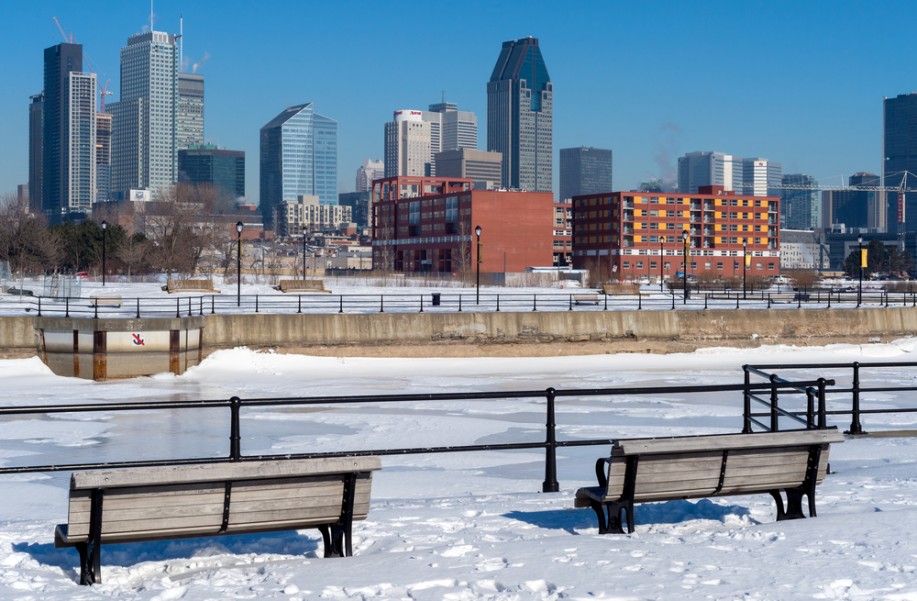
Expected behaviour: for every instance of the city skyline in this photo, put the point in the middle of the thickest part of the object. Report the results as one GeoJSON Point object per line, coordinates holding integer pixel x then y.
{"type": "Point", "coordinates": [629, 78]}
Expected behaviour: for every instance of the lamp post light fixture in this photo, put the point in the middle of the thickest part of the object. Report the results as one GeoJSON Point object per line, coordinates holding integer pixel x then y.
{"type": "Point", "coordinates": [104, 249]}
{"type": "Point", "coordinates": [860, 289]}
{"type": "Point", "coordinates": [687, 241]}
{"type": "Point", "coordinates": [477, 284]}
{"type": "Point", "coordinates": [745, 268]}
{"type": "Point", "coordinates": [304, 231]}
{"type": "Point", "coordinates": [661, 261]}
{"type": "Point", "coordinates": [239, 227]}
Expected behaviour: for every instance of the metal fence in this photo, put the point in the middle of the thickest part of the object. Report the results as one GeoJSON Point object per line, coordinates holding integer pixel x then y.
{"type": "Point", "coordinates": [445, 302]}
{"type": "Point", "coordinates": [236, 406]}
{"type": "Point", "coordinates": [817, 400]}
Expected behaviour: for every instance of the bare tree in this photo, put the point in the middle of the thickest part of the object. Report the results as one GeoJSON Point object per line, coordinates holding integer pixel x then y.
{"type": "Point", "coordinates": [25, 240]}
{"type": "Point", "coordinates": [180, 225]}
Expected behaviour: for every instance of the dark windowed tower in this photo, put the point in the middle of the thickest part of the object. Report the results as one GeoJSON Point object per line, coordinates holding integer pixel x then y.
{"type": "Point", "coordinates": [584, 171]}
{"type": "Point", "coordinates": [520, 115]}
{"type": "Point", "coordinates": [900, 148]}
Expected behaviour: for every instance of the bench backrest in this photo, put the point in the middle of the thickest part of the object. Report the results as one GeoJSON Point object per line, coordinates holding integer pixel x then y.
{"type": "Point", "coordinates": [312, 284]}
{"type": "Point", "coordinates": [191, 500]}
{"type": "Point", "coordinates": [190, 285]}
{"type": "Point", "coordinates": [703, 466]}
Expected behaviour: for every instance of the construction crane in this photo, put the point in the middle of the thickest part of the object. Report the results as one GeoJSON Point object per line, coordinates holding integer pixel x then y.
{"type": "Point", "coordinates": [103, 89]}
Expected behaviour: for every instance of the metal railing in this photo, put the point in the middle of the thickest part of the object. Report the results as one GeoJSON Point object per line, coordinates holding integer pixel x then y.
{"type": "Point", "coordinates": [446, 302]}
{"type": "Point", "coordinates": [236, 405]}
{"type": "Point", "coordinates": [855, 391]}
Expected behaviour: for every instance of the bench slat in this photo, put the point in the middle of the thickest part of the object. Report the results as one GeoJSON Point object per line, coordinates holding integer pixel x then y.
{"type": "Point", "coordinates": [726, 442]}
{"type": "Point", "coordinates": [221, 472]}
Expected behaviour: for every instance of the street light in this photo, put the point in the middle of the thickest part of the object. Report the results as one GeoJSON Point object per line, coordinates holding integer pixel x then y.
{"type": "Point", "coordinates": [860, 289]}
{"type": "Point", "coordinates": [104, 249]}
{"type": "Point", "coordinates": [661, 260]}
{"type": "Point", "coordinates": [304, 230]}
{"type": "Point", "coordinates": [477, 285]}
{"type": "Point", "coordinates": [684, 274]}
{"type": "Point", "coordinates": [744, 267]}
{"type": "Point", "coordinates": [239, 227]}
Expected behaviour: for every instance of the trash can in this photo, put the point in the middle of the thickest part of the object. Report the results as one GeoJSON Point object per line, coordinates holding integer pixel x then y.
{"type": "Point", "coordinates": [435, 296]}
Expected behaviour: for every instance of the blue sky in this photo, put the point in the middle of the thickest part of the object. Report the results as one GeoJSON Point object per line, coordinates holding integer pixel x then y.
{"type": "Point", "coordinates": [797, 82]}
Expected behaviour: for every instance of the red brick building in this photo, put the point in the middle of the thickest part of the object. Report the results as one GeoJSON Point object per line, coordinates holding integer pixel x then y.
{"type": "Point", "coordinates": [627, 235]}
{"type": "Point", "coordinates": [427, 224]}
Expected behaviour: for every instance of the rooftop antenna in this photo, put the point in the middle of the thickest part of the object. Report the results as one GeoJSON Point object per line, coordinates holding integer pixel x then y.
{"type": "Point", "coordinates": [151, 16]}
{"type": "Point", "coordinates": [181, 41]}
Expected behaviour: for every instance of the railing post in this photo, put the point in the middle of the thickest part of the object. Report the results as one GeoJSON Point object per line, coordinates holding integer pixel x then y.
{"type": "Point", "coordinates": [737, 301]}
{"type": "Point", "coordinates": [705, 302]}
{"type": "Point", "coordinates": [190, 306]}
{"type": "Point", "coordinates": [67, 307]}
{"type": "Point", "coordinates": [810, 408]}
{"type": "Point", "coordinates": [460, 303]}
{"type": "Point", "coordinates": [550, 483]}
{"type": "Point", "coordinates": [775, 417]}
{"type": "Point", "coordinates": [822, 405]}
{"type": "Point", "coordinates": [138, 307]}
{"type": "Point", "coordinates": [299, 303]}
{"type": "Point", "coordinates": [421, 303]}
{"type": "Point", "coordinates": [570, 301]}
{"type": "Point", "coordinates": [39, 306]}
{"type": "Point", "coordinates": [673, 300]}
{"type": "Point", "coordinates": [235, 433]}
{"type": "Point", "coordinates": [341, 304]}
{"type": "Point", "coordinates": [498, 303]}
{"type": "Point", "coordinates": [855, 426]}
{"type": "Point", "coordinates": [213, 308]}
{"type": "Point", "coordinates": [768, 301]}
{"type": "Point", "coordinates": [177, 307]}
{"type": "Point", "coordinates": [96, 310]}
{"type": "Point", "coordinates": [534, 302]}
{"type": "Point", "coordinates": [639, 301]}
{"type": "Point", "coordinates": [381, 303]}
{"type": "Point", "coordinates": [746, 402]}
{"type": "Point", "coordinates": [606, 303]}
{"type": "Point", "coordinates": [257, 297]}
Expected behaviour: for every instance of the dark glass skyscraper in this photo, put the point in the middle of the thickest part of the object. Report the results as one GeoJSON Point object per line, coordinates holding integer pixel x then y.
{"type": "Point", "coordinates": [60, 61]}
{"type": "Point", "coordinates": [584, 170]}
{"type": "Point", "coordinates": [900, 148]}
{"type": "Point", "coordinates": [207, 164]}
{"type": "Point", "coordinates": [520, 116]}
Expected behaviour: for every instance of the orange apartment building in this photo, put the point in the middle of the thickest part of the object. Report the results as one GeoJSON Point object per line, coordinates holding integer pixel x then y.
{"type": "Point", "coordinates": [629, 235]}
{"type": "Point", "coordinates": [427, 224]}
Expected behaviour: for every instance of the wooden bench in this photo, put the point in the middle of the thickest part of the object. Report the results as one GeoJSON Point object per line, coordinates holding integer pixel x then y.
{"type": "Point", "coordinates": [312, 285]}
{"type": "Point", "coordinates": [105, 301]}
{"type": "Point", "coordinates": [692, 467]}
{"type": "Point", "coordinates": [210, 499]}
{"type": "Point", "coordinates": [173, 286]}
{"type": "Point", "coordinates": [586, 299]}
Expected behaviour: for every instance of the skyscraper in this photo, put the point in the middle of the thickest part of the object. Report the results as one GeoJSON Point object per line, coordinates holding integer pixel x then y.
{"type": "Point", "coordinates": [35, 155]}
{"type": "Point", "coordinates": [298, 158]}
{"type": "Point", "coordinates": [458, 129]}
{"type": "Point", "coordinates": [899, 145]}
{"type": "Point", "coordinates": [366, 173]}
{"type": "Point", "coordinates": [103, 157]}
{"type": "Point", "coordinates": [851, 208]}
{"type": "Point", "coordinates": [761, 177]}
{"type": "Point", "coordinates": [190, 117]}
{"type": "Point", "coordinates": [207, 164]}
{"type": "Point", "coordinates": [584, 170]}
{"type": "Point", "coordinates": [409, 144]}
{"type": "Point", "coordinates": [520, 115]}
{"type": "Point", "coordinates": [696, 169]}
{"type": "Point", "coordinates": [68, 134]}
{"type": "Point", "coordinates": [800, 208]}
{"type": "Point", "coordinates": [144, 120]}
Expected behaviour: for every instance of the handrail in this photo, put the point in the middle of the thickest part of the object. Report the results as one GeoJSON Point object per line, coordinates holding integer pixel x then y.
{"type": "Point", "coordinates": [855, 390]}
{"type": "Point", "coordinates": [236, 405]}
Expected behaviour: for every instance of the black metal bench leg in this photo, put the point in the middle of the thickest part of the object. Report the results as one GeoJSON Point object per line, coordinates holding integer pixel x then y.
{"type": "Point", "coordinates": [599, 510]}
{"type": "Point", "coordinates": [333, 535]}
{"type": "Point", "coordinates": [615, 523]}
{"type": "Point", "coordinates": [91, 550]}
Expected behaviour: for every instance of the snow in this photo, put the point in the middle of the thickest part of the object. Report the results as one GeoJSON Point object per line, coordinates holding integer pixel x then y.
{"type": "Point", "coordinates": [463, 526]}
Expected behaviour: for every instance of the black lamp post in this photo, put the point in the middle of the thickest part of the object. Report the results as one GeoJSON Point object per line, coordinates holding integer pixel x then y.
{"type": "Point", "coordinates": [239, 227]}
{"type": "Point", "coordinates": [477, 285]}
{"type": "Point", "coordinates": [744, 268]}
{"type": "Point", "coordinates": [304, 230]}
{"type": "Point", "coordinates": [104, 249]}
{"type": "Point", "coordinates": [860, 289]}
{"type": "Point", "coordinates": [661, 261]}
{"type": "Point", "coordinates": [686, 239]}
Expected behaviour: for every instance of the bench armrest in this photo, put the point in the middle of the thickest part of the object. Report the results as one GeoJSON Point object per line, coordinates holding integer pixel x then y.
{"type": "Point", "coordinates": [601, 471]}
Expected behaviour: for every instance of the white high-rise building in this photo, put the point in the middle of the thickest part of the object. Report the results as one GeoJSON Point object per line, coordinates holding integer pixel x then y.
{"type": "Point", "coordinates": [408, 145]}
{"type": "Point", "coordinates": [697, 169]}
{"type": "Point", "coordinates": [81, 158]}
{"type": "Point", "coordinates": [458, 129]}
{"type": "Point", "coordinates": [144, 152]}
{"type": "Point", "coordinates": [760, 177]}
{"type": "Point", "coordinates": [367, 172]}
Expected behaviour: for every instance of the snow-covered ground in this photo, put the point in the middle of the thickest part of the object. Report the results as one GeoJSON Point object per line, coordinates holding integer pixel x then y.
{"type": "Point", "coordinates": [470, 525]}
